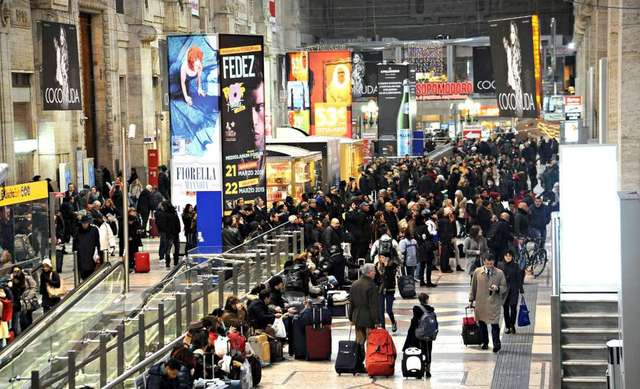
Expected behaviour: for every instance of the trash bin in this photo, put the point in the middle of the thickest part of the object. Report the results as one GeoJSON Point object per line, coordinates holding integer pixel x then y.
{"type": "Point", "coordinates": [614, 369]}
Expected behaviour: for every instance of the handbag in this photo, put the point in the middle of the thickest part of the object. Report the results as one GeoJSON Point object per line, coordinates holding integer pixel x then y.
{"type": "Point", "coordinates": [54, 292]}
{"type": "Point", "coordinates": [279, 329]}
{"type": "Point", "coordinates": [523, 314]}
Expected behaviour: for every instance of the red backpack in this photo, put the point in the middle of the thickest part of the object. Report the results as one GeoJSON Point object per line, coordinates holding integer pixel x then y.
{"type": "Point", "coordinates": [381, 353]}
{"type": "Point", "coordinates": [237, 341]}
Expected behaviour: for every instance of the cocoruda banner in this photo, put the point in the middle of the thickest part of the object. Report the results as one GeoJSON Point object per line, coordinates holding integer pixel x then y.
{"type": "Point", "coordinates": [515, 53]}
{"type": "Point", "coordinates": [443, 90]}
{"type": "Point", "coordinates": [60, 77]}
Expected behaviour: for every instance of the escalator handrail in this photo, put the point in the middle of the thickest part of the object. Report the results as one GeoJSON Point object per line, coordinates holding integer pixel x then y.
{"type": "Point", "coordinates": [77, 294]}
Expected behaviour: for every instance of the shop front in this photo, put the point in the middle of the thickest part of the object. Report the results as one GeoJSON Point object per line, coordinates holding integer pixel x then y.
{"type": "Point", "coordinates": [291, 171]}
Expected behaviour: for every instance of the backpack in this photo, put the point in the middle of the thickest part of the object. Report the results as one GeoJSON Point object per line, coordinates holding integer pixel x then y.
{"type": "Point", "coordinates": [295, 279]}
{"type": "Point", "coordinates": [385, 248]}
{"type": "Point", "coordinates": [427, 329]}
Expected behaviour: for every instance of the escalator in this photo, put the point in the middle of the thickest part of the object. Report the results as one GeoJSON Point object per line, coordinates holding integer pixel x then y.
{"type": "Point", "coordinates": [97, 325]}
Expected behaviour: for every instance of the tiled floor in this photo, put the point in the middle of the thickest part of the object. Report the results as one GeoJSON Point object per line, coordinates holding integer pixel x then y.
{"type": "Point", "coordinates": [454, 365]}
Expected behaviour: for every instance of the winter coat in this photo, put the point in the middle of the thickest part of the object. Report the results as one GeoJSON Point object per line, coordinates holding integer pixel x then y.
{"type": "Point", "coordinates": [107, 238]}
{"type": "Point", "coordinates": [259, 315]}
{"type": "Point", "coordinates": [409, 252]}
{"type": "Point", "coordinates": [488, 304]}
{"type": "Point", "coordinates": [144, 202]}
{"type": "Point", "coordinates": [411, 340]}
{"type": "Point", "coordinates": [386, 276]}
{"type": "Point", "coordinates": [86, 243]}
{"type": "Point", "coordinates": [474, 250]}
{"type": "Point", "coordinates": [364, 303]}
{"type": "Point", "coordinates": [157, 379]}
{"type": "Point", "coordinates": [332, 237]}
{"type": "Point", "coordinates": [230, 238]}
{"type": "Point", "coordinates": [358, 224]}
{"type": "Point", "coordinates": [513, 276]}
{"type": "Point", "coordinates": [540, 217]}
{"type": "Point", "coordinates": [53, 279]}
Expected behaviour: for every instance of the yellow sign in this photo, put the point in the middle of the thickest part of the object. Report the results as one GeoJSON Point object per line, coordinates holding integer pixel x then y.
{"type": "Point", "coordinates": [23, 193]}
{"type": "Point", "coordinates": [240, 49]}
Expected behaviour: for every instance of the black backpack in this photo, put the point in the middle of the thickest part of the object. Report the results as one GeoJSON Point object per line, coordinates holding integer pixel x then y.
{"type": "Point", "coordinates": [385, 248]}
{"type": "Point", "coordinates": [427, 328]}
{"type": "Point", "coordinates": [295, 280]}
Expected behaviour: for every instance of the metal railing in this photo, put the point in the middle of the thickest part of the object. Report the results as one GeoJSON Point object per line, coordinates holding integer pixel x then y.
{"type": "Point", "coordinates": [206, 281]}
{"type": "Point", "coordinates": [556, 319]}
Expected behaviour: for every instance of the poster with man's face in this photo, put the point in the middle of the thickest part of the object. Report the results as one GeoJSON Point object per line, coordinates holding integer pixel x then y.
{"type": "Point", "coordinates": [242, 109]}
{"type": "Point", "coordinates": [515, 54]}
{"type": "Point", "coordinates": [60, 77]}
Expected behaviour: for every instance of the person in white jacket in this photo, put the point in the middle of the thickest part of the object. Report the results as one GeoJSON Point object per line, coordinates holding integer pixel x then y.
{"type": "Point", "coordinates": [107, 238]}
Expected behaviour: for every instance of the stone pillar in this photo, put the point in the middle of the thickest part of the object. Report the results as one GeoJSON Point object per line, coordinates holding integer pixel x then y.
{"type": "Point", "coordinates": [629, 95]}
{"type": "Point", "coordinates": [612, 72]}
{"type": "Point", "coordinates": [600, 20]}
{"type": "Point", "coordinates": [6, 101]}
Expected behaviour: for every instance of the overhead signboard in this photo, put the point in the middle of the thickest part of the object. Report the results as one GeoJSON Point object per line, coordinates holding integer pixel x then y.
{"type": "Point", "coordinates": [573, 107]}
{"type": "Point", "coordinates": [16, 194]}
{"type": "Point", "coordinates": [483, 81]}
{"type": "Point", "coordinates": [443, 90]}
{"type": "Point", "coordinates": [515, 53]}
{"type": "Point", "coordinates": [60, 75]}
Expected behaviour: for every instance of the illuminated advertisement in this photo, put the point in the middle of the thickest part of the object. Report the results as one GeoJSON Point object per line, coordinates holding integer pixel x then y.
{"type": "Point", "coordinates": [243, 119]}
{"type": "Point", "coordinates": [394, 114]}
{"type": "Point", "coordinates": [515, 53]}
{"type": "Point", "coordinates": [193, 71]}
{"type": "Point", "coordinates": [330, 91]}
{"type": "Point", "coordinates": [60, 75]}
{"type": "Point", "coordinates": [298, 105]}
{"type": "Point", "coordinates": [364, 73]}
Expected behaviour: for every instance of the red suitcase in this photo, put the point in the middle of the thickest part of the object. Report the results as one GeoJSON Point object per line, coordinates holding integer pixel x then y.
{"type": "Point", "coordinates": [318, 339]}
{"type": "Point", "coordinates": [381, 354]}
{"type": "Point", "coordinates": [142, 262]}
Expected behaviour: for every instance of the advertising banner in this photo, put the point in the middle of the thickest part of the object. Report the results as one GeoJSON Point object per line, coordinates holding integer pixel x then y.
{"type": "Point", "coordinates": [60, 75]}
{"type": "Point", "coordinates": [195, 119]}
{"type": "Point", "coordinates": [483, 81]}
{"type": "Point", "coordinates": [242, 109]}
{"type": "Point", "coordinates": [330, 82]}
{"type": "Point", "coordinates": [515, 53]}
{"type": "Point", "coordinates": [393, 79]}
{"type": "Point", "coordinates": [298, 104]}
{"type": "Point", "coordinates": [364, 73]}
{"type": "Point", "coordinates": [152, 165]}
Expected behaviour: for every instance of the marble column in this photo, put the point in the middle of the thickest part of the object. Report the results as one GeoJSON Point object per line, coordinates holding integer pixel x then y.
{"type": "Point", "coordinates": [6, 100]}
{"type": "Point", "coordinates": [629, 95]}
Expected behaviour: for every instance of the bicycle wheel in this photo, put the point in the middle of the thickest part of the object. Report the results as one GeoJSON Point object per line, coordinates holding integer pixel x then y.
{"type": "Point", "coordinates": [538, 262]}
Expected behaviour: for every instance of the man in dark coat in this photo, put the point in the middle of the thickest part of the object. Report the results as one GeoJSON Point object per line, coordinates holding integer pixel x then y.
{"type": "Point", "coordinates": [87, 244]}
{"type": "Point", "coordinates": [358, 225]}
{"type": "Point", "coordinates": [365, 305]}
{"type": "Point", "coordinates": [144, 205]}
{"type": "Point", "coordinates": [425, 185]}
{"type": "Point", "coordinates": [258, 314]}
{"type": "Point", "coordinates": [500, 236]}
{"type": "Point", "coordinates": [514, 277]}
{"type": "Point", "coordinates": [164, 375]}
{"type": "Point", "coordinates": [164, 184]}
{"type": "Point", "coordinates": [332, 236]}
{"type": "Point", "coordinates": [171, 228]}
{"type": "Point", "coordinates": [540, 217]}
{"type": "Point", "coordinates": [231, 236]}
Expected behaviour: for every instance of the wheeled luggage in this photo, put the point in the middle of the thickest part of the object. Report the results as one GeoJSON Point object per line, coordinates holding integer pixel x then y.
{"type": "Point", "coordinates": [381, 353]}
{"type": "Point", "coordinates": [275, 351]}
{"type": "Point", "coordinates": [407, 285]}
{"type": "Point", "coordinates": [413, 363]}
{"type": "Point", "coordinates": [260, 346]}
{"type": "Point", "coordinates": [470, 330]}
{"type": "Point", "coordinates": [318, 338]}
{"type": "Point", "coordinates": [348, 360]}
{"type": "Point", "coordinates": [142, 264]}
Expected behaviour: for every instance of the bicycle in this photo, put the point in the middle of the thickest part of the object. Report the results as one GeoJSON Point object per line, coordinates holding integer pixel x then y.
{"type": "Point", "coordinates": [532, 255]}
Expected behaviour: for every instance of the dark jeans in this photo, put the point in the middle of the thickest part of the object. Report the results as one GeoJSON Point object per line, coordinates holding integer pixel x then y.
{"type": "Point", "coordinates": [539, 233]}
{"type": "Point", "coordinates": [59, 258]}
{"type": "Point", "coordinates": [84, 274]}
{"type": "Point", "coordinates": [445, 255]}
{"type": "Point", "coordinates": [411, 271]}
{"type": "Point", "coordinates": [426, 347]}
{"type": "Point", "coordinates": [386, 300]}
{"type": "Point", "coordinates": [175, 242]}
{"type": "Point", "coordinates": [495, 333]}
{"type": "Point", "coordinates": [422, 268]}
{"type": "Point", "coordinates": [163, 245]}
{"type": "Point", "coordinates": [510, 315]}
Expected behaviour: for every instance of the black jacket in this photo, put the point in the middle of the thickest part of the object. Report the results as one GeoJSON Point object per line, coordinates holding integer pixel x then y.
{"type": "Point", "coordinates": [386, 276]}
{"type": "Point", "coordinates": [513, 275]}
{"type": "Point", "coordinates": [86, 243]}
{"type": "Point", "coordinates": [259, 315]}
{"type": "Point", "coordinates": [144, 202]}
{"type": "Point", "coordinates": [500, 237]}
{"type": "Point", "coordinates": [540, 217]}
{"type": "Point", "coordinates": [52, 278]}
{"type": "Point", "coordinates": [521, 223]}
{"type": "Point", "coordinates": [331, 237]}
{"type": "Point", "coordinates": [425, 185]}
{"type": "Point", "coordinates": [358, 224]}
{"type": "Point", "coordinates": [164, 185]}
{"type": "Point", "coordinates": [411, 340]}
{"type": "Point", "coordinates": [230, 238]}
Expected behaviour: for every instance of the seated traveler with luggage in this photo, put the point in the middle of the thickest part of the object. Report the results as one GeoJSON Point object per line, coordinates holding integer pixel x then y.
{"type": "Point", "coordinates": [164, 375]}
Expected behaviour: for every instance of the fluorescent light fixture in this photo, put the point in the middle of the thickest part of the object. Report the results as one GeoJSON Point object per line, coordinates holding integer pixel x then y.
{"type": "Point", "coordinates": [589, 253]}
{"type": "Point", "coordinates": [25, 146]}
{"type": "Point", "coordinates": [571, 45]}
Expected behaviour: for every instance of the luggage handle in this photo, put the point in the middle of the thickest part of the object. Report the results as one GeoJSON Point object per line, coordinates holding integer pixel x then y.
{"type": "Point", "coordinates": [313, 318]}
{"type": "Point", "coordinates": [468, 308]}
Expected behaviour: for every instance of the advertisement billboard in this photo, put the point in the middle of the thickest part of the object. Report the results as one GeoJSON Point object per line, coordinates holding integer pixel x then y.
{"type": "Point", "coordinates": [60, 74]}
{"type": "Point", "coordinates": [393, 82]}
{"type": "Point", "coordinates": [195, 118]}
{"type": "Point", "coordinates": [298, 104]}
{"type": "Point", "coordinates": [330, 83]}
{"type": "Point", "coordinates": [243, 120]}
{"type": "Point", "coordinates": [483, 81]}
{"type": "Point", "coordinates": [364, 73]}
{"type": "Point", "coordinates": [515, 53]}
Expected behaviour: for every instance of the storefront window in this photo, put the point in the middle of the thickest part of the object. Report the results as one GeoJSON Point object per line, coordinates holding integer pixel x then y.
{"type": "Point", "coordinates": [463, 70]}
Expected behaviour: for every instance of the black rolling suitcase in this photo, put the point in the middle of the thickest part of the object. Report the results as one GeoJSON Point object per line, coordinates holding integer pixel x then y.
{"type": "Point", "coordinates": [406, 285]}
{"type": "Point", "coordinates": [348, 360]}
{"type": "Point", "coordinates": [299, 338]}
{"type": "Point", "coordinates": [470, 330]}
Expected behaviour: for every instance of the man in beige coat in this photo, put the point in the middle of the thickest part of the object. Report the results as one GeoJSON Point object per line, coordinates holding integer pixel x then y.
{"type": "Point", "coordinates": [488, 293]}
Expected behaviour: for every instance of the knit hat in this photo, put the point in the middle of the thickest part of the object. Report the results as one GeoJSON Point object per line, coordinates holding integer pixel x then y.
{"type": "Point", "coordinates": [46, 262]}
